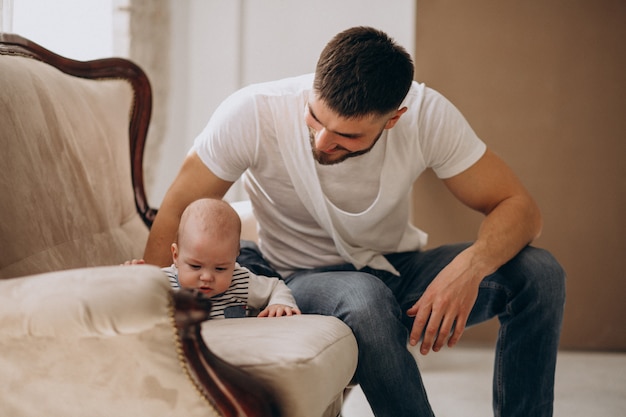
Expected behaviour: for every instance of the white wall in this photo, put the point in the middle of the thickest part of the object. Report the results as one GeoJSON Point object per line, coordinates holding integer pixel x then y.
{"type": "Point", "coordinates": [219, 46]}
{"type": "Point", "coordinates": [77, 29]}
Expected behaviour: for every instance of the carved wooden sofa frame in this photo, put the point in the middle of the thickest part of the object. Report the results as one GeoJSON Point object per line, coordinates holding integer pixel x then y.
{"type": "Point", "coordinates": [38, 273]}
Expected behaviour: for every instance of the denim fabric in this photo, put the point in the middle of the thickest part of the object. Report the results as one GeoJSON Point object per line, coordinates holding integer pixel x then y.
{"type": "Point", "coordinates": [235, 312]}
{"type": "Point", "coordinates": [250, 257]}
{"type": "Point", "coordinates": [527, 295]}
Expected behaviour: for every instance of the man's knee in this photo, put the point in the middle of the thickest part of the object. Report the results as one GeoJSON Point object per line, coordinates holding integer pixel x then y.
{"type": "Point", "coordinates": [355, 297]}
{"type": "Point", "coordinates": [542, 274]}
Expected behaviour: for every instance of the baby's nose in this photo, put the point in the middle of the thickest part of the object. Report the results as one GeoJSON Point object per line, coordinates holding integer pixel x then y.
{"type": "Point", "coordinates": [206, 276]}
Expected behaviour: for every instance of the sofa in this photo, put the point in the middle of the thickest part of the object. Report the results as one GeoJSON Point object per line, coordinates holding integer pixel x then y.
{"type": "Point", "coordinates": [79, 333]}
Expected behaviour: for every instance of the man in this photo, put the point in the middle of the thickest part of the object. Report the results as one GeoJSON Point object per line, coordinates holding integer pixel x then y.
{"type": "Point", "coordinates": [328, 161]}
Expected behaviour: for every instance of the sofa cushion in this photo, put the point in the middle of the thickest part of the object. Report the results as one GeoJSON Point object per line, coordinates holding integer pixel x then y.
{"type": "Point", "coordinates": [67, 197]}
{"type": "Point", "coordinates": [308, 360]}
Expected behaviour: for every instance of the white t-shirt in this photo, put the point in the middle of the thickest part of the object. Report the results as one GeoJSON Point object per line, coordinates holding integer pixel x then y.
{"type": "Point", "coordinates": [312, 215]}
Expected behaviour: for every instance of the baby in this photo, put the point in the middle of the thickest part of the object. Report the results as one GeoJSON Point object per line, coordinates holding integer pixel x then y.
{"type": "Point", "coordinates": [204, 256]}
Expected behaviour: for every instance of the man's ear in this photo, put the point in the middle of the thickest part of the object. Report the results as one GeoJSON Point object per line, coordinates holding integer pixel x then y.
{"type": "Point", "coordinates": [394, 119]}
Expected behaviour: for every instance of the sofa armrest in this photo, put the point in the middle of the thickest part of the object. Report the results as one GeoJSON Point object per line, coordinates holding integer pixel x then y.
{"type": "Point", "coordinates": [102, 341]}
{"type": "Point", "coordinates": [82, 303]}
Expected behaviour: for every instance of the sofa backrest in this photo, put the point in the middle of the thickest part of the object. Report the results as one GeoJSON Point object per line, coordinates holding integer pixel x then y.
{"type": "Point", "coordinates": [66, 182]}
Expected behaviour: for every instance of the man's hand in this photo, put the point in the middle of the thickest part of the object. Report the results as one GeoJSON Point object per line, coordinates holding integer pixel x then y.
{"type": "Point", "coordinates": [442, 312]}
{"type": "Point", "coordinates": [512, 220]}
{"type": "Point", "coordinates": [277, 310]}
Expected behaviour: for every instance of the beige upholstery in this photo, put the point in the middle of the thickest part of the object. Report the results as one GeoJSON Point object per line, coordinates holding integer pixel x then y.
{"type": "Point", "coordinates": [80, 335]}
{"type": "Point", "coordinates": [96, 342]}
{"type": "Point", "coordinates": [100, 342]}
{"type": "Point", "coordinates": [307, 359]}
{"type": "Point", "coordinates": [66, 171]}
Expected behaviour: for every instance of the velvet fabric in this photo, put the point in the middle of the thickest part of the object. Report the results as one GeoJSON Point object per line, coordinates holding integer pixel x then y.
{"type": "Point", "coordinates": [96, 342]}
{"type": "Point", "coordinates": [308, 360]}
{"type": "Point", "coordinates": [67, 199]}
{"type": "Point", "coordinates": [100, 342]}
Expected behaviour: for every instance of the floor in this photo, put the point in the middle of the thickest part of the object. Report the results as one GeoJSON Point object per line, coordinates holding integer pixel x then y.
{"type": "Point", "coordinates": [458, 382]}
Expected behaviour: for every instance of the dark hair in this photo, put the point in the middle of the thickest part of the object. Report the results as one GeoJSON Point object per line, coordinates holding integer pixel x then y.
{"type": "Point", "coordinates": [363, 71]}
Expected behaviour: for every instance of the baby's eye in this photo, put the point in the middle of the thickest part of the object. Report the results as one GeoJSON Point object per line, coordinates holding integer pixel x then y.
{"type": "Point", "coordinates": [221, 269]}
{"type": "Point", "coordinates": [194, 267]}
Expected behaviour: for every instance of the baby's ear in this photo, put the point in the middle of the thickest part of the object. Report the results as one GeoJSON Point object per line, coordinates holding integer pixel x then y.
{"type": "Point", "coordinates": [174, 249]}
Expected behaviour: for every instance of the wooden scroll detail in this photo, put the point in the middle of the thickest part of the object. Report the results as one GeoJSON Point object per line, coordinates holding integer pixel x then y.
{"type": "Point", "coordinates": [232, 391]}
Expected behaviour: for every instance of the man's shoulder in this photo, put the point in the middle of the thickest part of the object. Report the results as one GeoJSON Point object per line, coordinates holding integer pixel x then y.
{"type": "Point", "coordinates": [419, 93]}
{"type": "Point", "coordinates": [282, 87]}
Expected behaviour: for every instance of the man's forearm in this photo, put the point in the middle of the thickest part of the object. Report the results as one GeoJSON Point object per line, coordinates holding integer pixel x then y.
{"type": "Point", "coordinates": [162, 235]}
{"type": "Point", "coordinates": [505, 231]}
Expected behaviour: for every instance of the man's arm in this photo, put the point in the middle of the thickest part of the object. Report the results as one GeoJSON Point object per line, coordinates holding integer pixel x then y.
{"type": "Point", "coordinates": [194, 181]}
{"type": "Point", "coordinates": [512, 221]}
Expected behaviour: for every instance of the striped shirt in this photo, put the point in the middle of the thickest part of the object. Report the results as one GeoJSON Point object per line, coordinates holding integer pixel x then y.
{"type": "Point", "coordinates": [246, 296]}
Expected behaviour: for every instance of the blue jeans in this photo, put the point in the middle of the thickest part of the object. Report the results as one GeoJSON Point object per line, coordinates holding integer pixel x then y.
{"type": "Point", "coordinates": [527, 295]}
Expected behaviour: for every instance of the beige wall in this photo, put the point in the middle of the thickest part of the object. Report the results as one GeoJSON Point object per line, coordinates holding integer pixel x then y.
{"type": "Point", "coordinates": [544, 84]}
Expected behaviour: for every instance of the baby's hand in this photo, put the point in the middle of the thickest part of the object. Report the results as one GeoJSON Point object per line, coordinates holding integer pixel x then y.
{"type": "Point", "coordinates": [134, 262]}
{"type": "Point", "coordinates": [277, 310]}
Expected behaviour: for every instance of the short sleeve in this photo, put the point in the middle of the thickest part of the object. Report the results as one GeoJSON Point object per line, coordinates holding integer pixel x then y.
{"type": "Point", "coordinates": [228, 143]}
{"type": "Point", "coordinates": [448, 142]}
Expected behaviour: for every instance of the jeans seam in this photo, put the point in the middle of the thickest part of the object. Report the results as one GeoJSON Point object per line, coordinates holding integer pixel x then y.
{"type": "Point", "coordinates": [498, 366]}
{"type": "Point", "coordinates": [498, 376]}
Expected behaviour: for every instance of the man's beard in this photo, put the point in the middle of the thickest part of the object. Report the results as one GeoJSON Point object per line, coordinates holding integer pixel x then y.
{"type": "Point", "coordinates": [331, 159]}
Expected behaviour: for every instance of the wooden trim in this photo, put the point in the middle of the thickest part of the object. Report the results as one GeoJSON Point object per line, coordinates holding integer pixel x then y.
{"type": "Point", "coordinates": [231, 391]}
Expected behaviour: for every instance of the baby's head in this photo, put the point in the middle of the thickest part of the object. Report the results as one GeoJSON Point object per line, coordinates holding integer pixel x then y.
{"type": "Point", "coordinates": [207, 246]}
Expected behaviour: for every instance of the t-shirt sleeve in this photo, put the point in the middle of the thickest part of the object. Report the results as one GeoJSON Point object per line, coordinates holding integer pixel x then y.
{"type": "Point", "coordinates": [228, 143]}
{"type": "Point", "coordinates": [449, 144]}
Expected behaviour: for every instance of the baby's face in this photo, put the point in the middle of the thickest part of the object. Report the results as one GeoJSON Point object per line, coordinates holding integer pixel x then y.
{"type": "Point", "coordinates": [204, 263]}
